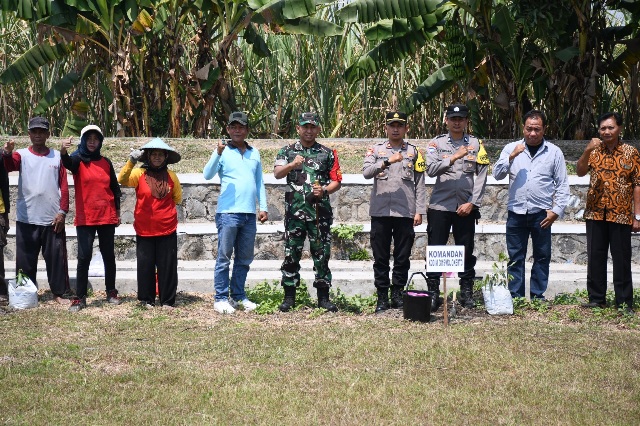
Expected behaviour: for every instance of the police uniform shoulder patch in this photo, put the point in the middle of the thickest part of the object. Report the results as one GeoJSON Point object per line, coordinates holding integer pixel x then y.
{"type": "Point", "coordinates": [482, 157]}
{"type": "Point", "coordinates": [420, 163]}
{"type": "Point", "coordinates": [370, 151]}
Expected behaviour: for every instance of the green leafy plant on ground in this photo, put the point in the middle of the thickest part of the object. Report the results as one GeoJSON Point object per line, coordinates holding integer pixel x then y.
{"type": "Point", "coordinates": [498, 275]}
{"type": "Point", "coordinates": [346, 235]}
{"type": "Point", "coordinates": [270, 295]}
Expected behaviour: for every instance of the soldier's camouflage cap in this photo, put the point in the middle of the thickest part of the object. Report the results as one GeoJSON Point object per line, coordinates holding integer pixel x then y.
{"type": "Point", "coordinates": [309, 118]}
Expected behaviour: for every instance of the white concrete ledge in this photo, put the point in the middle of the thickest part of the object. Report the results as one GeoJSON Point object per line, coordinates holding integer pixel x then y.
{"type": "Point", "coordinates": [350, 179]}
{"type": "Point", "coordinates": [209, 228]}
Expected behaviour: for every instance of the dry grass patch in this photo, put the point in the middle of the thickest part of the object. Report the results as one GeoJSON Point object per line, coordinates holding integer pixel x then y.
{"type": "Point", "coordinates": [124, 365]}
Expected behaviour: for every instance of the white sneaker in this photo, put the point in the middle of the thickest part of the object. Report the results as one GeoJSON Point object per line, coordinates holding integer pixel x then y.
{"type": "Point", "coordinates": [223, 307]}
{"type": "Point", "coordinates": [247, 304]}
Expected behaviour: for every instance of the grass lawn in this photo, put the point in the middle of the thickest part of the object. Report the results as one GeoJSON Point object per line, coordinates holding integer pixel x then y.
{"type": "Point", "coordinates": [123, 365]}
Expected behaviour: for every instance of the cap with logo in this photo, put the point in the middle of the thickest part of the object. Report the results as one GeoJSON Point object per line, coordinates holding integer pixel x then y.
{"type": "Point", "coordinates": [39, 123]}
{"type": "Point", "coordinates": [309, 118]}
{"type": "Point", "coordinates": [395, 117]}
{"type": "Point", "coordinates": [239, 117]}
{"type": "Point", "coordinates": [457, 110]}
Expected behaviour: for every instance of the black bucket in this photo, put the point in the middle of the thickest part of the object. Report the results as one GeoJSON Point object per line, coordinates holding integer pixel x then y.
{"type": "Point", "coordinates": [416, 305]}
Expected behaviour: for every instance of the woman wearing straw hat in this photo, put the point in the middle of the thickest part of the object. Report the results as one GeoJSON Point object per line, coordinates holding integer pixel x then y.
{"type": "Point", "coordinates": [155, 220]}
{"type": "Point", "coordinates": [97, 210]}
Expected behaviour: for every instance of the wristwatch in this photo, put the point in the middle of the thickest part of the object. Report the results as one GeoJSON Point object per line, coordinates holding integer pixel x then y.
{"type": "Point", "coordinates": [386, 163]}
{"type": "Point", "coordinates": [638, 217]}
{"type": "Point", "coordinates": [324, 191]}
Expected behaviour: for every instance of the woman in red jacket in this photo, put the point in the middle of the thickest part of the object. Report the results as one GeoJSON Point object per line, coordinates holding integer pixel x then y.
{"type": "Point", "coordinates": [97, 210]}
{"type": "Point", "coordinates": [155, 220]}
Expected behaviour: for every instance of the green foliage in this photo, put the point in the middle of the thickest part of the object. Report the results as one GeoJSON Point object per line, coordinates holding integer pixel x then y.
{"type": "Point", "coordinates": [359, 254]}
{"type": "Point", "coordinates": [499, 275]}
{"type": "Point", "coordinates": [566, 299]}
{"type": "Point", "coordinates": [345, 232]}
{"type": "Point", "coordinates": [346, 235]}
{"type": "Point", "coordinates": [269, 296]}
{"type": "Point", "coordinates": [31, 61]}
{"type": "Point", "coordinates": [575, 314]}
{"type": "Point", "coordinates": [356, 304]}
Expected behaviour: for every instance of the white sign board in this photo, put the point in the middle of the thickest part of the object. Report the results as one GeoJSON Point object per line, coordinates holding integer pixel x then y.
{"type": "Point", "coordinates": [445, 259]}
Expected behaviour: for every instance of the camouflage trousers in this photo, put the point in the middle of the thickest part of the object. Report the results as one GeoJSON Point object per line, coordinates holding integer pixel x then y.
{"type": "Point", "coordinates": [296, 231]}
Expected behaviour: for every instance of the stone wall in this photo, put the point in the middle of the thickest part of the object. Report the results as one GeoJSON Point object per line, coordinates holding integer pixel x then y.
{"type": "Point", "coordinates": [351, 206]}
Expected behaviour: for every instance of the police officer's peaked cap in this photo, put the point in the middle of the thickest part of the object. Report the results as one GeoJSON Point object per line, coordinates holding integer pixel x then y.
{"type": "Point", "coordinates": [457, 110]}
{"type": "Point", "coordinates": [309, 118]}
{"type": "Point", "coordinates": [395, 117]}
{"type": "Point", "coordinates": [238, 117]}
{"type": "Point", "coordinates": [157, 143]}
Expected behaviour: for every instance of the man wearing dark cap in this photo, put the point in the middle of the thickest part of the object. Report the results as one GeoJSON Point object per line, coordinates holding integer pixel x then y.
{"type": "Point", "coordinates": [240, 169]}
{"type": "Point", "coordinates": [460, 163]}
{"type": "Point", "coordinates": [398, 201]}
{"type": "Point", "coordinates": [313, 172]}
{"type": "Point", "coordinates": [41, 207]}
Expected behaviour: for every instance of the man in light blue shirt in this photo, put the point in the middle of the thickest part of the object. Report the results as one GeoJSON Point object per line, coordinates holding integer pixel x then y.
{"type": "Point", "coordinates": [538, 195]}
{"type": "Point", "coordinates": [240, 170]}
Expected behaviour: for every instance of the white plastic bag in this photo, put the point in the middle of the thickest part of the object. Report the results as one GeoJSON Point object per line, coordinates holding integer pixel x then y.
{"type": "Point", "coordinates": [96, 266]}
{"type": "Point", "coordinates": [23, 293]}
{"type": "Point", "coordinates": [497, 300]}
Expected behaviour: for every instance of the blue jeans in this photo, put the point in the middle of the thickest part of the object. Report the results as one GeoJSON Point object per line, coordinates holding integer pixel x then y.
{"type": "Point", "coordinates": [236, 233]}
{"type": "Point", "coordinates": [519, 227]}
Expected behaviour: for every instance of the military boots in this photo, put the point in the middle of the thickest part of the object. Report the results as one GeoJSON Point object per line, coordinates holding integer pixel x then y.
{"type": "Point", "coordinates": [433, 285]}
{"type": "Point", "coordinates": [289, 301]}
{"type": "Point", "coordinates": [323, 300]}
{"type": "Point", "coordinates": [383, 300]}
{"type": "Point", "coordinates": [466, 293]}
{"type": "Point", "coordinates": [396, 296]}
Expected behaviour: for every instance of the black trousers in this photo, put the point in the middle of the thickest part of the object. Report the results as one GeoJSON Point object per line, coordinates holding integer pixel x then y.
{"type": "Point", "coordinates": [603, 236]}
{"type": "Point", "coordinates": [383, 230]}
{"type": "Point", "coordinates": [161, 254]}
{"type": "Point", "coordinates": [29, 240]}
{"type": "Point", "coordinates": [4, 227]}
{"type": "Point", "coordinates": [464, 230]}
{"type": "Point", "coordinates": [86, 236]}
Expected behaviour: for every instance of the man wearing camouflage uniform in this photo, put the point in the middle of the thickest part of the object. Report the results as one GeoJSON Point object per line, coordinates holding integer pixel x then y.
{"type": "Point", "coordinates": [460, 163]}
{"type": "Point", "coordinates": [313, 172]}
{"type": "Point", "coordinates": [398, 201]}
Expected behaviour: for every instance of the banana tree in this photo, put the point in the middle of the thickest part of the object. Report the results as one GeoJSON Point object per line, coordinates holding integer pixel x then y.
{"type": "Point", "coordinates": [398, 30]}
{"type": "Point", "coordinates": [91, 37]}
{"type": "Point", "coordinates": [200, 90]}
{"type": "Point", "coordinates": [550, 55]}
{"type": "Point", "coordinates": [124, 40]}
